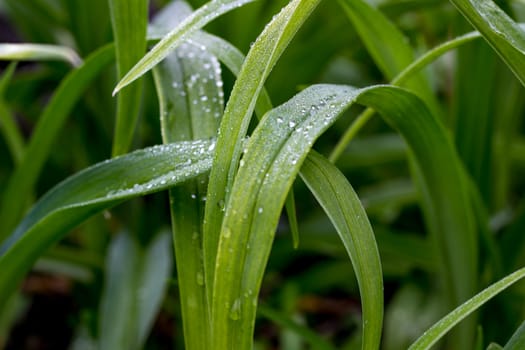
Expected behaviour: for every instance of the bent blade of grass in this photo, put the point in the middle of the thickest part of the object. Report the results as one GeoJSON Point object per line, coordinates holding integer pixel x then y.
{"type": "Point", "coordinates": [129, 19]}
{"type": "Point", "coordinates": [21, 182]}
{"type": "Point", "coordinates": [344, 208]}
{"type": "Point", "coordinates": [39, 52]}
{"type": "Point", "coordinates": [259, 62]}
{"type": "Point", "coordinates": [436, 332]}
{"type": "Point", "coordinates": [268, 168]}
{"type": "Point", "coordinates": [505, 36]}
{"type": "Point", "coordinates": [133, 291]}
{"type": "Point", "coordinates": [192, 23]}
{"type": "Point", "coordinates": [191, 103]}
{"type": "Point", "coordinates": [92, 190]}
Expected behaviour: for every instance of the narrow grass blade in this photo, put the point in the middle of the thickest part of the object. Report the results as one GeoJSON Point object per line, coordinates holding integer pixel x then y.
{"type": "Point", "coordinates": [192, 23]}
{"type": "Point", "coordinates": [97, 188]}
{"type": "Point", "coordinates": [436, 332]}
{"type": "Point", "coordinates": [475, 114]}
{"type": "Point", "coordinates": [270, 163]}
{"type": "Point", "coordinates": [517, 341]}
{"type": "Point", "coordinates": [21, 182]}
{"type": "Point", "coordinates": [342, 205]}
{"type": "Point", "coordinates": [315, 341]}
{"type": "Point", "coordinates": [129, 19]}
{"type": "Point", "coordinates": [388, 46]}
{"type": "Point", "coordinates": [39, 52]}
{"type": "Point", "coordinates": [133, 291]}
{"type": "Point", "coordinates": [12, 135]}
{"type": "Point", "coordinates": [259, 62]}
{"type": "Point", "coordinates": [449, 211]}
{"type": "Point", "coordinates": [189, 87]}
{"type": "Point", "coordinates": [500, 31]}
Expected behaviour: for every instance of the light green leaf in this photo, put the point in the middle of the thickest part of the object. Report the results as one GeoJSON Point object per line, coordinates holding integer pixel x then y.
{"type": "Point", "coordinates": [96, 188]}
{"type": "Point", "coordinates": [129, 19]}
{"type": "Point", "coordinates": [270, 163]}
{"type": "Point", "coordinates": [500, 31]}
{"type": "Point", "coordinates": [133, 291]}
{"type": "Point", "coordinates": [342, 205]}
{"type": "Point", "coordinates": [12, 135]}
{"type": "Point", "coordinates": [259, 62]}
{"type": "Point", "coordinates": [517, 341]}
{"type": "Point", "coordinates": [39, 52]}
{"type": "Point", "coordinates": [189, 87]}
{"type": "Point", "coordinates": [192, 23]}
{"type": "Point", "coordinates": [436, 332]}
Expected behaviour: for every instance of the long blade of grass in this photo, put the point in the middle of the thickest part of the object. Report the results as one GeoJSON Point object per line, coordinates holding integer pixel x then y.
{"type": "Point", "coordinates": [189, 86]}
{"type": "Point", "coordinates": [129, 19]}
{"type": "Point", "coordinates": [316, 342]}
{"type": "Point", "coordinates": [191, 24]}
{"type": "Point", "coordinates": [517, 341]}
{"type": "Point", "coordinates": [21, 182]}
{"type": "Point", "coordinates": [12, 135]}
{"type": "Point", "coordinates": [474, 115]}
{"type": "Point", "coordinates": [436, 332]}
{"type": "Point", "coordinates": [388, 46]}
{"type": "Point", "coordinates": [271, 161]}
{"type": "Point", "coordinates": [133, 291]}
{"type": "Point", "coordinates": [93, 190]}
{"type": "Point", "coordinates": [38, 52]}
{"type": "Point", "coordinates": [500, 31]}
{"type": "Point", "coordinates": [344, 208]}
{"type": "Point", "coordinates": [259, 62]}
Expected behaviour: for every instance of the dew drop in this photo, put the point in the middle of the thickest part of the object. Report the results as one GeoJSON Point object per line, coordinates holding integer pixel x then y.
{"type": "Point", "coordinates": [235, 311]}
{"type": "Point", "coordinates": [200, 279]}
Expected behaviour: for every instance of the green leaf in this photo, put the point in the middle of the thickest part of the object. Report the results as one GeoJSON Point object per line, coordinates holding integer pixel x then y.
{"type": "Point", "coordinates": [39, 52]}
{"type": "Point", "coordinates": [501, 32]}
{"type": "Point", "coordinates": [342, 205]}
{"type": "Point", "coordinates": [270, 163]}
{"type": "Point", "coordinates": [192, 23]}
{"type": "Point", "coordinates": [133, 291]}
{"type": "Point", "coordinates": [388, 47]}
{"type": "Point", "coordinates": [189, 87]}
{"type": "Point", "coordinates": [308, 335]}
{"type": "Point", "coordinates": [259, 62]}
{"type": "Point", "coordinates": [436, 332]}
{"type": "Point", "coordinates": [129, 19]}
{"type": "Point", "coordinates": [9, 129]}
{"type": "Point", "coordinates": [92, 190]}
{"type": "Point", "coordinates": [22, 180]}
{"type": "Point", "coordinates": [517, 341]}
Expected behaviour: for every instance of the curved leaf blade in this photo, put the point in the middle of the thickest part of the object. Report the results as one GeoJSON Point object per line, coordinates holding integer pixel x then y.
{"type": "Point", "coordinates": [341, 204]}
{"type": "Point", "coordinates": [192, 23]}
{"type": "Point", "coordinates": [39, 52]}
{"type": "Point", "coordinates": [22, 180]}
{"type": "Point", "coordinates": [259, 62]}
{"type": "Point", "coordinates": [189, 87]}
{"type": "Point", "coordinates": [93, 190]}
{"type": "Point", "coordinates": [436, 332]}
{"type": "Point", "coordinates": [501, 32]}
{"type": "Point", "coordinates": [267, 170]}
